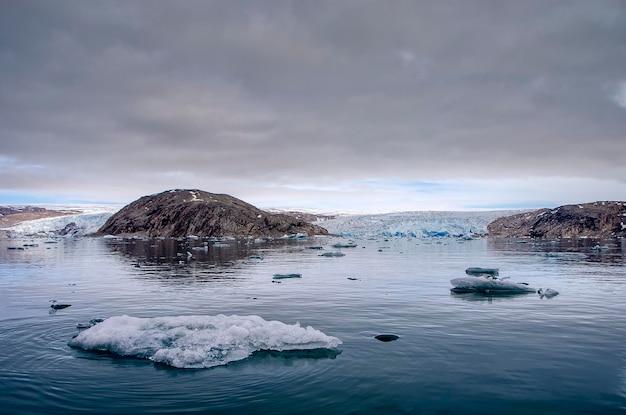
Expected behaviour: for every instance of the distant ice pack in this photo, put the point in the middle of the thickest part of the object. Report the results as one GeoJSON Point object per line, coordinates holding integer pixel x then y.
{"type": "Point", "coordinates": [199, 341]}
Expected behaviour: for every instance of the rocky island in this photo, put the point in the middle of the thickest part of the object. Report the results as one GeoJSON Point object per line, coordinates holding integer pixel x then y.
{"type": "Point", "coordinates": [183, 212]}
{"type": "Point", "coordinates": [588, 220]}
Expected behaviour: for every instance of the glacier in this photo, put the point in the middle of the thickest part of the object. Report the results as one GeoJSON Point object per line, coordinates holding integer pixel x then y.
{"type": "Point", "coordinates": [88, 219]}
{"type": "Point", "coordinates": [417, 224]}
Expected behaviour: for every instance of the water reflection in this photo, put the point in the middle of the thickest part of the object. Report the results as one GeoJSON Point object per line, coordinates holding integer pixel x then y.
{"type": "Point", "coordinates": [287, 355]}
{"type": "Point", "coordinates": [193, 260]}
{"type": "Point", "coordinates": [182, 250]}
{"type": "Point", "coordinates": [487, 298]}
{"type": "Point", "coordinates": [607, 251]}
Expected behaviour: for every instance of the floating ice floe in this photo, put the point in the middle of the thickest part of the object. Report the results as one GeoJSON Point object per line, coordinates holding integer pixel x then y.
{"type": "Point", "coordinates": [286, 276]}
{"type": "Point", "coordinates": [345, 245]}
{"type": "Point", "coordinates": [485, 281]}
{"type": "Point", "coordinates": [333, 254]}
{"type": "Point", "coordinates": [547, 292]}
{"type": "Point", "coordinates": [477, 271]}
{"type": "Point", "coordinates": [486, 284]}
{"type": "Point", "coordinates": [57, 306]}
{"type": "Point", "coordinates": [199, 341]}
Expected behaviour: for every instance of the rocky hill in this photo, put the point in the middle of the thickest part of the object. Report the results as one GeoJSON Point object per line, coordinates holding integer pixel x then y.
{"type": "Point", "coordinates": [590, 220]}
{"type": "Point", "coordinates": [176, 213]}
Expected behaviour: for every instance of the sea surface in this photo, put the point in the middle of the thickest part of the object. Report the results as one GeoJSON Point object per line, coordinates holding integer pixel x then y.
{"type": "Point", "coordinates": [455, 353]}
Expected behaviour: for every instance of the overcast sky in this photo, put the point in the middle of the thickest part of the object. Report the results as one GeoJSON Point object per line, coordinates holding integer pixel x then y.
{"type": "Point", "coordinates": [341, 104]}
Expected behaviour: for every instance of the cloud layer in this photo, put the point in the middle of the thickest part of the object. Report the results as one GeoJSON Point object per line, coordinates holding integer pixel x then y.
{"type": "Point", "coordinates": [352, 104]}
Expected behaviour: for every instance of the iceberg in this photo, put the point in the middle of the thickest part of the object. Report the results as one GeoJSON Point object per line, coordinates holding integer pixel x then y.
{"type": "Point", "coordinates": [486, 284]}
{"type": "Point", "coordinates": [195, 342]}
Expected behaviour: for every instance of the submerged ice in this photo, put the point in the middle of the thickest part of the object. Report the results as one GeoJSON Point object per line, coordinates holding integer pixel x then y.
{"type": "Point", "coordinates": [199, 341]}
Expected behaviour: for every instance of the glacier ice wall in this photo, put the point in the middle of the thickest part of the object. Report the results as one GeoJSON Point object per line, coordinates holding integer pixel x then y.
{"type": "Point", "coordinates": [422, 224]}
{"type": "Point", "coordinates": [418, 224]}
{"type": "Point", "coordinates": [88, 221]}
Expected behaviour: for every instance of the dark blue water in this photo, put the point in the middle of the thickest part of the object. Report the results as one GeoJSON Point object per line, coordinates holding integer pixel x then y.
{"type": "Point", "coordinates": [456, 354]}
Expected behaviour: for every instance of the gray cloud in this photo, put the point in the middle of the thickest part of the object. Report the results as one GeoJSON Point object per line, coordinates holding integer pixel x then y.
{"type": "Point", "coordinates": [124, 98]}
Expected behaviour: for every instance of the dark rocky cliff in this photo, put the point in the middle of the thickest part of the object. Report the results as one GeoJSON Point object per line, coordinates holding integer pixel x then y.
{"type": "Point", "coordinates": [589, 220]}
{"type": "Point", "coordinates": [176, 213]}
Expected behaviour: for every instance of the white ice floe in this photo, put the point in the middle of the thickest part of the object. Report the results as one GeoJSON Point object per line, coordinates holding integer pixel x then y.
{"type": "Point", "coordinates": [199, 341]}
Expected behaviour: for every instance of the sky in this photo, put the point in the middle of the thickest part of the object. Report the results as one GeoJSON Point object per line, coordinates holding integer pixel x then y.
{"type": "Point", "coordinates": [360, 105]}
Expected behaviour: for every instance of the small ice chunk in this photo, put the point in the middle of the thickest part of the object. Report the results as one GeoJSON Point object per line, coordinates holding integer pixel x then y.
{"type": "Point", "coordinates": [285, 276]}
{"type": "Point", "coordinates": [494, 272]}
{"type": "Point", "coordinates": [333, 254]}
{"type": "Point", "coordinates": [547, 292]}
{"type": "Point", "coordinates": [349, 244]}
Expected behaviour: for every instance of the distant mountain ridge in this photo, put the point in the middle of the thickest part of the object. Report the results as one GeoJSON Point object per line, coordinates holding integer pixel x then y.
{"type": "Point", "coordinates": [587, 220]}
{"type": "Point", "coordinates": [183, 212]}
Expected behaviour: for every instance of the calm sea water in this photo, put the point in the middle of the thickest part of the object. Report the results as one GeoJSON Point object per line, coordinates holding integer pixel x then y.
{"type": "Point", "coordinates": [456, 354]}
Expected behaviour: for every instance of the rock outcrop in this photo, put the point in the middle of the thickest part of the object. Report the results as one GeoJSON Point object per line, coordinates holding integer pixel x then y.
{"type": "Point", "coordinates": [588, 220]}
{"type": "Point", "coordinates": [177, 213]}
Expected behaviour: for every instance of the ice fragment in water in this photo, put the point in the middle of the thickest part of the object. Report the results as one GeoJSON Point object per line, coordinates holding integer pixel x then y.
{"type": "Point", "coordinates": [547, 292]}
{"type": "Point", "coordinates": [489, 285]}
{"type": "Point", "coordinates": [199, 341]}
{"type": "Point", "coordinates": [345, 245]}
{"type": "Point", "coordinates": [494, 272]}
{"type": "Point", "coordinates": [285, 276]}
{"type": "Point", "coordinates": [333, 254]}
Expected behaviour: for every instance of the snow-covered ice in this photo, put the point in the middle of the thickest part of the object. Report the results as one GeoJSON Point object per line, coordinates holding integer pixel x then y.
{"type": "Point", "coordinates": [199, 341]}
